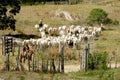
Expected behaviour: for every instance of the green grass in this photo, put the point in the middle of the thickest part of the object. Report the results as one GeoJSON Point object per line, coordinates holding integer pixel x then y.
{"type": "Point", "coordinates": [109, 41]}
{"type": "Point", "coordinates": [112, 74]}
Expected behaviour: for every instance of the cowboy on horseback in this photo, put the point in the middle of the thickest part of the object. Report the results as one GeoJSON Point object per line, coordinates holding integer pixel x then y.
{"type": "Point", "coordinates": [40, 23]}
{"type": "Point", "coordinates": [27, 53]}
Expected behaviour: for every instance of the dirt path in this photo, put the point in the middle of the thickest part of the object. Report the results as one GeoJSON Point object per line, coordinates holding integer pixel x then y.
{"type": "Point", "coordinates": [74, 68]}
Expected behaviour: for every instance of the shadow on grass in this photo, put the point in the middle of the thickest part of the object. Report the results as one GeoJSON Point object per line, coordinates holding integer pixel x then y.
{"type": "Point", "coordinates": [110, 29]}
{"type": "Point", "coordinates": [23, 36]}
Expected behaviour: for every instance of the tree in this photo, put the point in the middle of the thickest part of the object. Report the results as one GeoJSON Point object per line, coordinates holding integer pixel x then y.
{"type": "Point", "coordinates": [97, 15]}
{"type": "Point", "coordinates": [8, 9]}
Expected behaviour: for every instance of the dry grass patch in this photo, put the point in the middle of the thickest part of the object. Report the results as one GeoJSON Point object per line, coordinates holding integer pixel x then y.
{"type": "Point", "coordinates": [30, 15]}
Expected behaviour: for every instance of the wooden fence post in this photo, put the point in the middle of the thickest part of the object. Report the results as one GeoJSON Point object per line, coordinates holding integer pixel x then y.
{"type": "Point", "coordinates": [17, 58]}
{"type": "Point", "coordinates": [59, 64]}
{"type": "Point", "coordinates": [7, 62]}
{"type": "Point", "coordinates": [88, 49]}
{"type": "Point", "coordinates": [59, 58]}
{"type": "Point", "coordinates": [46, 66]}
{"type": "Point", "coordinates": [52, 66]}
{"type": "Point", "coordinates": [81, 59]}
{"type": "Point", "coordinates": [33, 62]}
{"type": "Point", "coordinates": [7, 48]}
{"type": "Point", "coordinates": [115, 61]}
{"type": "Point", "coordinates": [86, 58]}
{"type": "Point", "coordinates": [62, 58]}
{"type": "Point", "coordinates": [13, 47]}
{"type": "Point", "coordinates": [37, 63]}
{"type": "Point", "coordinates": [110, 62]}
{"type": "Point", "coordinates": [28, 64]}
{"type": "Point", "coordinates": [3, 46]}
{"type": "Point", "coordinates": [43, 65]}
{"type": "Point", "coordinates": [116, 58]}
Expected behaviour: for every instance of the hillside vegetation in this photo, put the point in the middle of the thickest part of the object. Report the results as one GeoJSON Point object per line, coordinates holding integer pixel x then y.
{"type": "Point", "coordinates": [30, 15]}
{"type": "Point", "coordinates": [108, 41]}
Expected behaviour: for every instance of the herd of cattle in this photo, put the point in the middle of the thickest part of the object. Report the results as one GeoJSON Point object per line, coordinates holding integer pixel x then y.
{"type": "Point", "coordinates": [70, 35]}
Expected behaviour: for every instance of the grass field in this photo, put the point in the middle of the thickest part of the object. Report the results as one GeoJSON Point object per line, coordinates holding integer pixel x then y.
{"type": "Point", "coordinates": [108, 41]}
{"type": "Point", "coordinates": [30, 15]}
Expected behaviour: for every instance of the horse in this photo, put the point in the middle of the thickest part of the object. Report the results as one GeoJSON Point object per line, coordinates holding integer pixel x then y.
{"type": "Point", "coordinates": [27, 56]}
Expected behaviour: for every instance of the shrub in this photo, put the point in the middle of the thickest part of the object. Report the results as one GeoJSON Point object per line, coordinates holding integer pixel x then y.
{"type": "Point", "coordinates": [108, 21]}
{"type": "Point", "coordinates": [97, 61]}
{"type": "Point", "coordinates": [97, 15]}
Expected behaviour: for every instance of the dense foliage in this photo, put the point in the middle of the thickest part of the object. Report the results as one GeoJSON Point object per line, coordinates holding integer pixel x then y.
{"type": "Point", "coordinates": [97, 61]}
{"type": "Point", "coordinates": [99, 16]}
{"type": "Point", "coordinates": [55, 1]}
{"type": "Point", "coordinates": [8, 8]}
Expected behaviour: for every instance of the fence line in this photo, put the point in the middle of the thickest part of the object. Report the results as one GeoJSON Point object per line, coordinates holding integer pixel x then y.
{"type": "Point", "coordinates": [52, 64]}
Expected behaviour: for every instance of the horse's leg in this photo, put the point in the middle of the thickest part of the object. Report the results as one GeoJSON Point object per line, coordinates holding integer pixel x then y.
{"type": "Point", "coordinates": [21, 60]}
{"type": "Point", "coordinates": [30, 57]}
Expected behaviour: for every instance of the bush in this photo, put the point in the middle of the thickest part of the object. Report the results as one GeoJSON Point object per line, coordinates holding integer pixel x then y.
{"type": "Point", "coordinates": [108, 21]}
{"type": "Point", "coordinates": [97, 15]}
{"type": "Point", "coordinates": [97, 61]}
